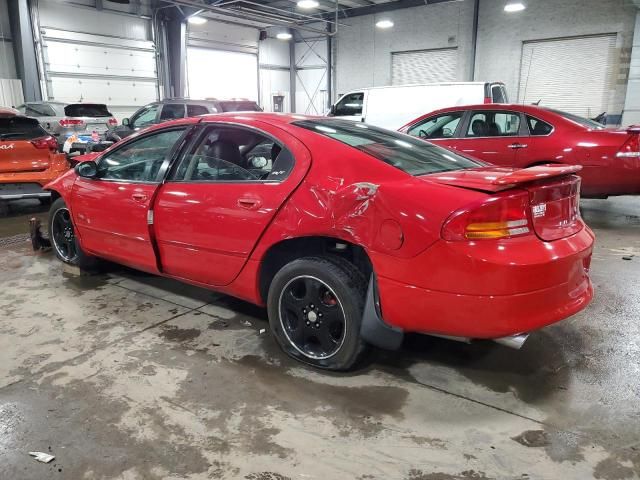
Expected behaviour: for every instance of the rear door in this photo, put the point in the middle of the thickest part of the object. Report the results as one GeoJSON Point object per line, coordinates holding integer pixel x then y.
{"type": "Point", "coordinates": [17, 152]}
{"type": "Point", "coordinates": [112, 212]}
{"type": "Point", "coordinates": [494, 136]}
{"type": "Point", "coordinates": [221, 196]}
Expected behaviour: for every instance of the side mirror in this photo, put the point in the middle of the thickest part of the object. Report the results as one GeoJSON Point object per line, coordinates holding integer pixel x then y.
{"type": "Point", "coordinates": [332, 111]}
{"type": "Point", "coordinates": [88, 169]}
{"type": "Point", "coordinates": [126, 122]}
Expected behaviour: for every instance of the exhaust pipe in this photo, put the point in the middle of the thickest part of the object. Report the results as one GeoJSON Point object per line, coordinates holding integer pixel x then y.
{"type": "Point", "coordinates": [513, 341]}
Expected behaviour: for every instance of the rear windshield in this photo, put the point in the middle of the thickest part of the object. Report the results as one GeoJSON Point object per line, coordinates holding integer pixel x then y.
{"type": "Point", "coordinates": [239, 106]}
{"type": "Point", "coordinates": [413, 156]}
{"type": "Point", "coordinates": [20, 128]}
{"type": "Point", "coordinates": [87, 110]}
{"type": "Point", "coordinates": [585, 122]}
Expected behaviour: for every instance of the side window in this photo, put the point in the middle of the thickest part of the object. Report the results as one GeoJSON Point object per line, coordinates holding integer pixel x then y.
{"type": "Point", "coordinates": [172, 111]}
{"type": "Point", "coordinates": [538, 127]}
{"type": "Point", "coordinates": [441, 126]}
{"type": "Point", "coordinates": [145, 118]}
{"type": "Point", "coordinates": [228, 154]}
{"type": "Point", "coordinates": [349, 105]}
{"type": "Point", "coordinates": [139, 160]}
{"type": "Point", "coordinates": [497, 94]}
{"type": "Point", "coordinates": [494, 124]}
{"type": "Point", "coordinates": [195, 110]}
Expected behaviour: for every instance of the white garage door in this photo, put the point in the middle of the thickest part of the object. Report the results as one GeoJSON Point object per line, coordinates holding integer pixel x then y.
{"type": "Point", "coordinates": [92, 56]}
{"type": "Point", "coordinates": [222, 74]}
{"type": "Point", "coordinates": [424, 66]}
{"type": "Point", "coordinates": [573, 74]}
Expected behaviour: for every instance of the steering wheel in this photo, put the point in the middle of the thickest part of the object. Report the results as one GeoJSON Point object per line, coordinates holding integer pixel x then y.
{"type": "Point", "coordinates": [446, 132]}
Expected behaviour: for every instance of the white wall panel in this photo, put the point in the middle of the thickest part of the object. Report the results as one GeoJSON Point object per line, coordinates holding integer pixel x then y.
{"type": "Point", "coordinates": [7, 63]}
{"type": "Point", "coordinates": [631, 115]}
{"type": "Point", "coordinates": [222, 36]}
{"type": "Point", "coordinates": [274, 82]}
{"type": "Point", "coordinates": [221, 74]}
{"type": "Point", "coordinates": [274, 52]}
{"type": "Point", "coordinates": [10, 92]}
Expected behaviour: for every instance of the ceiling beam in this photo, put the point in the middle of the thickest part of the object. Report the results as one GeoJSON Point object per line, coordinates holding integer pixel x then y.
{"type": "Point", "coordinates": [385, 7]}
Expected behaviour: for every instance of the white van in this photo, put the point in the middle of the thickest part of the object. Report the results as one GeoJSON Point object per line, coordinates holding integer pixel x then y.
{"type": "Point", "coordinates": [393, 107]}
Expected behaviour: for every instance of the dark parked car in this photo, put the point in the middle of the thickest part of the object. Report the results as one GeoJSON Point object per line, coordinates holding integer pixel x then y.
{"type": "Point", "coordinates": [174, 108]}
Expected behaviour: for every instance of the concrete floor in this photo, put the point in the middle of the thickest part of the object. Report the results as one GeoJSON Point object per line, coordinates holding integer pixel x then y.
{"type": "Point", "coordinates": [128, 376]}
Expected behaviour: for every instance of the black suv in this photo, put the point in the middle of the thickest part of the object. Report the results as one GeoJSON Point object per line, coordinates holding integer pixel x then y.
{"type": "Point", "coordinates": [173, 108]}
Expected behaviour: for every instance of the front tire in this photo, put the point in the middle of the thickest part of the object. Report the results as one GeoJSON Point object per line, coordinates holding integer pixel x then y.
{"type": "Point", "coordinates": [315, 309]}
{"type": "Point", "coordinates": [63, 237]}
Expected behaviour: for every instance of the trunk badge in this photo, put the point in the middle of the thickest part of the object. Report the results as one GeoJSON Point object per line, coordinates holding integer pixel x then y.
{"type": "Point", "coordinates": [7, 147]}
{"type": "Point", "coordinates": [539, 210]}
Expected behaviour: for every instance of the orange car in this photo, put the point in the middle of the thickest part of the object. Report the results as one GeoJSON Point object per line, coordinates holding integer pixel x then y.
{"type": "Point", "coordinates": [29, 158]}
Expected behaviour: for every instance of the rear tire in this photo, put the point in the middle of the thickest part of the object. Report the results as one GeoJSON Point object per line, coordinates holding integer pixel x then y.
{"type": "Point", "coordinates": [63, 239]}
{"type": "Point", "coordinates": [315, 307]}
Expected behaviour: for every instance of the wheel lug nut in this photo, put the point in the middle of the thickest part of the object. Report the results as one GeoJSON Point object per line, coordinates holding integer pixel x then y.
{"type": "Point", "coordinates": [308, 323]}
{"type": "Point", "coordinates": [311, 306]}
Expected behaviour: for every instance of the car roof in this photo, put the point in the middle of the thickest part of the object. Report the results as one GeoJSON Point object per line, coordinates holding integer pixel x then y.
{"type": "Point", "coordinates": [8, 112]}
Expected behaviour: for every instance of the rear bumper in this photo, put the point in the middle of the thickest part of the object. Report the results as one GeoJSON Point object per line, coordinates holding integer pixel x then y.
{"type": "Point", "coordinates": [486, 290]}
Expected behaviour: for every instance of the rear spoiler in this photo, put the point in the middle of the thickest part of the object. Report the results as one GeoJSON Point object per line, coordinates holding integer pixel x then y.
{"type": "Point", "coordinates": [536, 173]}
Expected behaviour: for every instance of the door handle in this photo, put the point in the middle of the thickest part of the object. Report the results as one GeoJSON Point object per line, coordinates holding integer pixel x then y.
{"type": "Point", "coordinates": [139, 197]}
{"type": "Point", "coordinates": [518, 145]}
{"type": "Point", "coordinates": [249, 203]}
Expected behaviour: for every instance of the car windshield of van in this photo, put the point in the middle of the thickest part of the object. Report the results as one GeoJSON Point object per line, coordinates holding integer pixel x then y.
{"type": "Point", "coordinates": [87, 110]}
{"type": "Point", "coordinates": [413, 156]}
{"type": "Point", "coordinates": [585, 122]}
{"type": "Point", "coordinates": [20, 128]}
{"type": "Point", "coordinates": [240, 106]}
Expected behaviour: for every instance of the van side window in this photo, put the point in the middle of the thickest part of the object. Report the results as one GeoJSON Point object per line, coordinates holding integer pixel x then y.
{"type": "Point", "coordinates": [497, 94]}
{"type": "Point", "coordinates": [538, 127]}
{"type": "Point", "coordinates": [350, 104]}
{"type": "Point", "coordinates": [440, 126]}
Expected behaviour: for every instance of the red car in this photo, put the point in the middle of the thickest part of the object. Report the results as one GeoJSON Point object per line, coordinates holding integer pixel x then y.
{"type": "Point", "coordinates": [526, 135]}
{"type": "Point", "coordinates": [348, 233]}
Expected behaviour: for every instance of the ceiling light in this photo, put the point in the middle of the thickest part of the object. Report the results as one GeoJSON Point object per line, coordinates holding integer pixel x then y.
{"type": "Point", "coordinates": [384, 24]}
{"type": "Point", "coordinates": [195, 20]}
{"type": "Point", "coordinates": [283, 36]}
{"type": "Point", "coordinates": [308, 4]}
{"type": "Point", "coordinates": [514, 7]}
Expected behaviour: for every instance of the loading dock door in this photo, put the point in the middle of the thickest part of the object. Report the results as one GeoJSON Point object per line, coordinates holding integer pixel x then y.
{"type": "Point", "coordinates": [424, 66]}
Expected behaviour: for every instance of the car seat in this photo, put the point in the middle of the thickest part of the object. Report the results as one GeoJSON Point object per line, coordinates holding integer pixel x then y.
{"type": "Point", "coordinates": [479, 128]}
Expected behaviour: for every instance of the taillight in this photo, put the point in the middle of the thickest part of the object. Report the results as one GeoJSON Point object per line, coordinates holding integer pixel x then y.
{"type": "Point", "coordinates": [501, 216]}
{"type": "Point", "coordinates": [113, 122]}
{"type": "Point", "coordinates": [70, 122]}
{"type": "Point", "coordinates": [631, 147]}
{"type": "Point", "coordinates": [488, 100]}
{"type": "Point", "coordinates": [45, 142]}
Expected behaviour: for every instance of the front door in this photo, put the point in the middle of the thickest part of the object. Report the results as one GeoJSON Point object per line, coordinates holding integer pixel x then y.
{"type": "Point", "coordinates": [111, 212]}
{"type": "Point", "coordinates": [221, 196]}
{"type": "Point", "coordinates": [494, 136]}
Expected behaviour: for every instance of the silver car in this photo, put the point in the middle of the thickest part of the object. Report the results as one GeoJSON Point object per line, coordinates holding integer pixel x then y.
{"type": "Point", "coordinates": [65, 119]}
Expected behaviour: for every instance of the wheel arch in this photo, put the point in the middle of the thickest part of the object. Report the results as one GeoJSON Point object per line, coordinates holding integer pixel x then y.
{"type": "Point", "coordinates": [285, 251]}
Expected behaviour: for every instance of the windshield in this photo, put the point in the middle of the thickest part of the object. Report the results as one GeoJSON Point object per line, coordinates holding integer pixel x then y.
{"type": "Point", "coordinates": [239, 106]}
{"type": "Point", "coordinates": [20, 128]}
{"type": "Point", "coordinates": [87, 110]}
{"type": "Point", "coordinates": [413, 156]}
{"type": "Point", "coordinates": [585, 122]}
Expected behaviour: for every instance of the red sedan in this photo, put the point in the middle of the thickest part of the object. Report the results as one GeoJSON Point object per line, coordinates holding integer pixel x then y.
{"type": "Point", "coordinates": [526, 135]}
{"type": "Point", "coordinates": [348, 233]}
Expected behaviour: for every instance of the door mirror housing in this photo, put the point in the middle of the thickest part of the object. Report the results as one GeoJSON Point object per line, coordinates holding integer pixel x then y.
{"type": "Point", "coordinates": [88, 169]}
{"type": "Point", "coordinates": [126, 122]}
{"type": "Point", "coordinates": [332, 111]}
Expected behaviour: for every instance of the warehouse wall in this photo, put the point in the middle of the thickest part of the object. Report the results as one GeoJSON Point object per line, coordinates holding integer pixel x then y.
{"type": "Point", "coordinates": [7, 64]}
{"type": "Point", "coordinates": [273, 57]}
{"type": "Point", "coordinates": [363, 56]}
{"type": "Point", "coordinates": [632, 103]}
{"type": "Point", "coordinates": [500, 36]}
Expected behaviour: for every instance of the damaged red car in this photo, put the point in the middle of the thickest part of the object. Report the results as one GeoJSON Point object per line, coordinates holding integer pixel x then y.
{"type": "Point", "coordinates": [349, 234]}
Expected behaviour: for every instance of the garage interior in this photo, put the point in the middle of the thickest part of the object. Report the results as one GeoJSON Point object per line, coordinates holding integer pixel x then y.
{"type": "Point", "coordinates": [126, 375]}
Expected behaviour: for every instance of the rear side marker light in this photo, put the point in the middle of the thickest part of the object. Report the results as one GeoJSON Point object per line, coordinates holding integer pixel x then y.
{"type": "Point", "coordinates": [497, 229]}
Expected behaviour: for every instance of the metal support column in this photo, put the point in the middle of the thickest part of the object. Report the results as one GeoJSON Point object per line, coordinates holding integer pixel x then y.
{"type": "Point", "coordinates": [474, 40]}
{"type": "Point", "coordinates": [329, 67]}
{"type": "Point", "coordinates": [292, 73]}
{"type": "Point", "coordinates": [177, 57]}
{"type": "Point", "coordinates": [24, 49]}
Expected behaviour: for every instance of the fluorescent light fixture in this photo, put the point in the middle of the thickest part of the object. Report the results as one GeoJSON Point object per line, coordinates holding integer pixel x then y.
{"type": "Point", "coordinates": [384, 24]}
{"type": "Point", "coordinates": [308, 4]}
{"type": "Point", "coordinates": [195, 20]}
{"type": "Point", "coordinates": [283, 36]}
{"type": "Point", "coordinates": [514, 7]}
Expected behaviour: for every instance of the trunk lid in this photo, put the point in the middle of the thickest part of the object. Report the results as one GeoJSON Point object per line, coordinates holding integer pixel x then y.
{"type": "Point", "coordinates": [17, 153]}
{"type": "Point", "coordinates": [553, 190]}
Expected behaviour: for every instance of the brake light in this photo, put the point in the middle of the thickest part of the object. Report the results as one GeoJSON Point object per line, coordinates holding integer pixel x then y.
{"type": "Point", "coordinates": [488, 100]}
{"type": "Point", "coordinates": [70, 122]}
{"type": "Point", "coordinates": [631, 147]}
{"type": "Point", "coordinates": [113, 122]}
{"type": "Point", "coordinates": [501, 216]}
{"type": "Point", "coordinates": [45, 142]}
